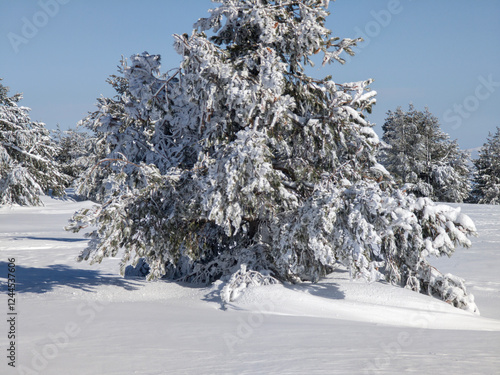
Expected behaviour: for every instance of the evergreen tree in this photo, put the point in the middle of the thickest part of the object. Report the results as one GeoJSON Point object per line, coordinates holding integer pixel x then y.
{"type": "Point", "coordinates": [487, 175]}
{"type": "Point", "coordinates": [76, 152]}
{"type": "Point", "coordinates": [27, 152]}
{"type": "Point", "coordinates": [423, 158]}
{"type": "Point", "coordinates": [125, 133]}
{"type": "Point", "coordinates": [239, 166]}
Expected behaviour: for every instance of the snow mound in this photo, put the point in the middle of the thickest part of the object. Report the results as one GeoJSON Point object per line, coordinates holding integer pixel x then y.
{"type": "Point", "coordinates": [337, 297]}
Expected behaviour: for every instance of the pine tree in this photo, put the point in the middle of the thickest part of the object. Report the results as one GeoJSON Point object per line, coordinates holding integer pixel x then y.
{"type": "Point", "coordinates": [423, 158]}
{"type": "Point", "coordinates": [487, 175]}
{"type": "Point", "coordinates": [76, 152]}
{"type": "Point", "coordinates": [239, 166]}
{"type": "Point", "coordinates": [27, 152]}
{"type": "Point", "coordinates": [125, 133]}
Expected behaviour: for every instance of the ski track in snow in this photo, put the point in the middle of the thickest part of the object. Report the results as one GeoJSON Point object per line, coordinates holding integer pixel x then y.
{"type": "Point", "coordinates": [81, 319]}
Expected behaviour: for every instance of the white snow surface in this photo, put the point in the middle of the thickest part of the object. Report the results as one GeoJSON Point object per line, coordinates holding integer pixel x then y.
{"type": "Point", "coordinates": [74, 318]}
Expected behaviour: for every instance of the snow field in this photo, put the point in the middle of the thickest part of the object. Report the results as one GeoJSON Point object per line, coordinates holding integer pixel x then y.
{"type": "Point", "coordinates": [81, 319]}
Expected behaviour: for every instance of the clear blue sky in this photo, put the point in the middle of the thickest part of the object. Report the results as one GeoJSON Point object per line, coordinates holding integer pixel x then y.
{"type": "Point", "coordinates": [440, 54]}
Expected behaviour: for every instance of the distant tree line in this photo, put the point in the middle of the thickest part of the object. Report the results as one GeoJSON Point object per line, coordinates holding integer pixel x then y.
{"type": "Point", "coordinates": [417, 153]}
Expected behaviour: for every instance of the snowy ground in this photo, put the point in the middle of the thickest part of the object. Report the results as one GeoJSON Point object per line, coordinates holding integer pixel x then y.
{"type": "Point", "coordinates": [79, 319]}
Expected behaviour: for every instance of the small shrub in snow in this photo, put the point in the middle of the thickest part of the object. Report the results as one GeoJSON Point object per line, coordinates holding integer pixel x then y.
{"type": "Point", "coordinates": [243, 278]}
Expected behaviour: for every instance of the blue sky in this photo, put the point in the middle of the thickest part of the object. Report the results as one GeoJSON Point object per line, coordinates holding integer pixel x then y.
{"type": "Point", "coordinates": [444, 55]}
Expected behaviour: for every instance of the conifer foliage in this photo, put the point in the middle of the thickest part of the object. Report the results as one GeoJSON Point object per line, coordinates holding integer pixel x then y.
{"type": "Point", "coordinates": [76, 152]}
{"type": "Point", "coordinates": [238, 163]}
{"type": "Point", "coordinates": [423, 158]}
{"type": "Point", "coordinates": [27, 152]}
{"type": "Point", "coordinates": [487, 175]}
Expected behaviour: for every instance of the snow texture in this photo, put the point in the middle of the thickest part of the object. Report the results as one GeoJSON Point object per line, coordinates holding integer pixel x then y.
{"type": "Point", "coordinates": [337, 326]}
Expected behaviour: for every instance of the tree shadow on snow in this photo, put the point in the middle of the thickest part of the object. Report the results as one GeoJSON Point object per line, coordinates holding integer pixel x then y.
{"type": "Point", "coordinates": [325, 289]}
{"type": "Point", "coordinates": [43, 280]}
{"type": "Point", "coordinates": [215, 296]}
{"type": "Point", "coordinates": [59, 239]}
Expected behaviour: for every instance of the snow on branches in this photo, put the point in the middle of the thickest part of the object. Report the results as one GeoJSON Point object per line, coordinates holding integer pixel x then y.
{"type": "Point", "coordinates": [422, 158]}
{"type": "Point", "coordinates": [487, 175]}
{"type": "Point", "coordinates": [238, 163]}
{"type": "Point", "coordinates": [27, 153]}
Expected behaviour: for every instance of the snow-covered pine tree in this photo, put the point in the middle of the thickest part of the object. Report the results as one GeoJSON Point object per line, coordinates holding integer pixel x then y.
{"type": "Point", "coordinates": [487, 174]}
{"type": "Point", "coordinates": [254, 169]}
{"type": "Point", "coordinates": [423, 158]}
{"type": "Point", "coordinates": [27, 152]}
{"type": "Point", "coordinates": [125, 133]}
{"type": "Point", "coordinates": [77, 152]}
